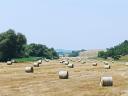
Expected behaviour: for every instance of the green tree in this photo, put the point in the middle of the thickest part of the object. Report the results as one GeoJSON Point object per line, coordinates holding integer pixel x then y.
{"type": "Point", "coordinates": [11, 45]}
{"type": "Point", "coordinates": [14, 45]}
{"type": "Point", "coordinates": [7, 45]}
{"type": "Point", "coordinates": [21, 42]}
{"type": "Point", "coordinates": [39, 50]}
{"type": "Point", "coordinates": [74, 54]}
{"type": "Point", "coordinates": [115, 52]}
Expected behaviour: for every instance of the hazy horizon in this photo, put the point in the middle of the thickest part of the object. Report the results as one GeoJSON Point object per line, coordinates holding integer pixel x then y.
{"type": "Point", "coordinates": [67, 24]}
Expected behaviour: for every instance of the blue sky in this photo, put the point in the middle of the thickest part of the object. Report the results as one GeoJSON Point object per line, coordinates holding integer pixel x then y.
{"type": "Point", "coordinates": [67, 24]}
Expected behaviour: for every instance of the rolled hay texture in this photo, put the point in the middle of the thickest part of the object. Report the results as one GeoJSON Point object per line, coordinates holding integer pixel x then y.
{"type": "Point", "coordinates": [9, 62]}
{"type": "Point", "coordinates": [126, 63]}
{"type": "Point", "coordinates": [79, 60]}
{"type": "Point", "coordinates": [36, 64]}
{"type": "Point", "coordinates": [94, 64]}
{"type": "Point", "coordinates": [107, 66]}
{"type": "Point", "coordinates": [13, 61]}
{"type": "Point", "coordinates": [66, 62]}
{"type": "Point", "coordinates": [106, 81]}
{"type": "Point", "coordinates": [70, 65]}
{"type": "Point", "coordinates": [63, 74]}
{"type": "Point", "coordinates": [106, 63]}
{"type": "Point", "coordinates": [112, 61]}
{"type": "Point", "coordinates": [39, 61]}
{"type": "Point", "coordinates": [62, 61]}
{"type": "Point", "coordinates": [83, 62]}
{"type": "Point", "coordinates": [29, 69]}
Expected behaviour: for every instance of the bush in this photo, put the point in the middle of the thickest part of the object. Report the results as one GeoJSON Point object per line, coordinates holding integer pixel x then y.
{"type": "Point", "coordinates": [11, 45]}
{"type": "Point", "coordinates": [14, 45]}
{"type": "Point", "coordinates": [115, 52]}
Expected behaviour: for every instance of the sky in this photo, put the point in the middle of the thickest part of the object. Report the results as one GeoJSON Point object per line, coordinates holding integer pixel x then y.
{"type": "Point", "coordinates": [67, 24]}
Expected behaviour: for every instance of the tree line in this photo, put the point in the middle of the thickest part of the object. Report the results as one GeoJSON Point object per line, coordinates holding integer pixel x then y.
{"type": "Point", "coordinates": [14, 45]}
{"type": "Point", "coordinates": [76, 53]}
{"type": "Point", "coordinates": [115, 52]}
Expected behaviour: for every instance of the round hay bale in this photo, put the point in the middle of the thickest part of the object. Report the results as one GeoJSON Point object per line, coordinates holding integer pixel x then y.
{"type": "Point", "coordinates": [63, 74]}
{"type": "Point", "coordinates": [13, 61]}
{"type": "Point", "coordinates": [62, 61]}
{"type": "Point", "coordinates": [70, 66]}
{"type": "Point", "coordinates": [29, 69]}
{"type": "Point", "coordinates": [112, 61]}
{"type": "Point", "coordinates": [94, 64]}
{"type": "Point", "coordinates": [39, 61]}
{"type": "Point", "coordinates": [79, 60]}
{"type": "Point", "coordinates": [9, 62]}
{"type": "Point", "coordinates": [106, 63]}
{"type": "Point", "coordinates": [66, 62]}
{"type": "Point", "coordinates": [126, 63]}
{"type": "Point", "coordinates": [83, 62]}
{"type": "Point", "coordinates": [36, 64]}
{"type": "Point", "coordinates": [106, 81]}
{"type": "Point", "coordinates": [107, 66]}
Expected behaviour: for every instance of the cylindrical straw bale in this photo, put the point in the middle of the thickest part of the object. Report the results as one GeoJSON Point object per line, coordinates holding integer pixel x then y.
{"type": "Point", "coordinates": [39, 61]}
{"type": "Point", "coordinates": [70, 65]}
{"type": "Point", "coordinates": [63, 74]}
{"type": "Point", "coordinates": [9, 62]}
{"type": "Point", "coordinates": [66, 62]}
{"type": "Point", "coordinates": [107, 66]}
{"type": "Point", "coordinates": [29, 69]}
{"type": "Point", "coordinates": [94, 64]}
{"type": "Point", "coordinates": [106, 81]}
{"type": "Point", "coordinates": [36, 64]}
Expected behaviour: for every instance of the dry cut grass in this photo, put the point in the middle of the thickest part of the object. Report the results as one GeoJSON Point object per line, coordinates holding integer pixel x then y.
{"type": "Point", "coordinates": [84, 80]}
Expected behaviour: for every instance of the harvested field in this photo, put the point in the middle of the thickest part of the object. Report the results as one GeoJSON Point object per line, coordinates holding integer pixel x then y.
{"type": "Point", "coordinates": [84, 80]}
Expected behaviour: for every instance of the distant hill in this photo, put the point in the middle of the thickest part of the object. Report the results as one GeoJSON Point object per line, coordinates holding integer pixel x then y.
{"type": "Point", "coordinates": [83, 53]}
{"type": "Point", "coordinates": [90, 53]}
{"type": "Point", "coordinates": [70, 53]}
{"type": "Point", "coordinates": [62, 52]}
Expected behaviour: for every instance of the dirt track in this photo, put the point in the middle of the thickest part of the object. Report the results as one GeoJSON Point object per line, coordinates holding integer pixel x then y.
{"type": "Point", "coordinates": [84, 80]}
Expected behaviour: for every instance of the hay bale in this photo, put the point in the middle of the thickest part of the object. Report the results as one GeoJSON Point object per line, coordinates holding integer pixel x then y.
{"type": "Point", "coordinates": [106, 63]}
{"type": "Point", "coordinates": [70, 66]}
{"type": "Point", "coordinates": [83, 62]}
{"type": "Point", "coordinates": [112, 61]}
{"type": "Point", "coordinates": [13, 61]}
{"type": "Point", "coordinates": [126, 63]}
{"type": "Point", "coordinates": [106, 81]}
{"type": "Point", "coordinates": [63, 74]}
{"type": "Point", "coordinates": [62, 61]}
{"type": "Point", "coordinates": [29, 69]}
{"type": "Point", "coordinates": [79, 60]}
{"type": "Point", "coordinates": [94, 64]}
{"type": "Point", "coordinates": [66, 62]}
{"type": "Point", "coordinates": [9, 62]}
{"type": "Point", "coordinates": [36, 64]}
{"type": "Point", "coordinates": [107, 66]}
{"type": "Point", "coordinates": [39, 61]}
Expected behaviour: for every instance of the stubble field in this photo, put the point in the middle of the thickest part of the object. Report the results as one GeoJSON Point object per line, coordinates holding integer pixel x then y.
{"type": "Point", "coordinates": [84, 79]}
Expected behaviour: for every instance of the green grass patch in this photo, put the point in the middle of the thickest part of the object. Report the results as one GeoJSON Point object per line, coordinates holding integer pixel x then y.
{"type": "Point", "coordinates": [28, 59]}
{"type": "Point", "coordinates": [124, 58]}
